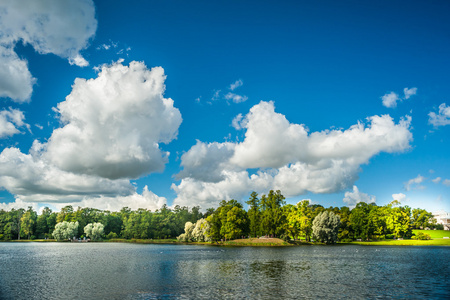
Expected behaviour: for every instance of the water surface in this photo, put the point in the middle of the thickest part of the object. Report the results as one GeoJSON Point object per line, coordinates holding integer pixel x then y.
{"type": "Point", "coordinates": [138, 271]}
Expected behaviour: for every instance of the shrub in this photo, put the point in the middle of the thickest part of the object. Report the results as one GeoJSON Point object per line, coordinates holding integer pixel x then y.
{"type": "Point", "coordinates": [111, 235]}
{"type": "Point", "coordinates": [422, 236]}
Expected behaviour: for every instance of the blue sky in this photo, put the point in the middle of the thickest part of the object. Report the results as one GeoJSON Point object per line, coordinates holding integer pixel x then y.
{"type": "Point", "coordinates": [337, 102]}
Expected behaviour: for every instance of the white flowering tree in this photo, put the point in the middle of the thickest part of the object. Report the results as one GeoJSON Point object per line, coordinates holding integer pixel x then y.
{"type": "Point", "coordinates": [94, 230]}
{"type": "Point", "coordinates": [325, 227]}
{"type": "Point", "coordinates": [65, 230]}
{"type": "Point", "coordinates": [195, 232]}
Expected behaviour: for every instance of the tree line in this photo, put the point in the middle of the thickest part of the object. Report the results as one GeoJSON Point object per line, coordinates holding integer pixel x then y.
{"type": "Point", "coordinates": [267, 215]}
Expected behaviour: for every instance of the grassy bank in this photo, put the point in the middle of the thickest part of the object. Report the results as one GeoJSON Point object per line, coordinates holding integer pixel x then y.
{"type": "Point", "coordinates": [433, 242]}
{"type": "Point", "coordinates": [256, 242]}
{"type": "Point", "coordinates": [435, 234]}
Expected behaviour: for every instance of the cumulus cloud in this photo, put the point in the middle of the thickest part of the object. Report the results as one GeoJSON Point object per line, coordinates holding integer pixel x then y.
{"type": "Point", "coordinates": [354, 197]}
{"type": "Point", "coordinates": [111, 130]}
{"type": "Point", "coordinates": [399, 197]}
{"type": "Point", "coordinates": [282, 155]}
{"type": "Point", "coordinates": [146, 200]}
{"type": "Point", "coordinates": [16, 81]}
{"type": "Point", "coordinates": [10, 120]}
{"type": "Point", "coordinates": [442, 118]}
{"type": "Point", "coordinates": [34, 180]}
{"type": "Point", "coordinates": [446, 182]}
{"type": "Point", "coordinates": [63, 28]}
{"type": "Point", "coordinates": [115, 123]}
{"type": "Point", "coordinates": [415, 183]}
{"type": "Point", "coordinates": [205, 162]}
{"type": "Point", "coordinates": [390, 100]}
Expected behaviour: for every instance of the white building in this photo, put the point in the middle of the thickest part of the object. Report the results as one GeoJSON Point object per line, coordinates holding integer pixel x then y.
{"type": "Point", "coordinates": [443, 218]}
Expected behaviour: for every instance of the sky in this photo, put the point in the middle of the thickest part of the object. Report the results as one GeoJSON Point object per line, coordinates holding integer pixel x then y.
{"type": "Point", "coordinates": [108, 104]}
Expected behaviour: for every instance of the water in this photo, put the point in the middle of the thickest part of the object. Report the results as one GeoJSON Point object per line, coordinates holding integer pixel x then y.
{"type": "Point", "coordinates": [133, 271]}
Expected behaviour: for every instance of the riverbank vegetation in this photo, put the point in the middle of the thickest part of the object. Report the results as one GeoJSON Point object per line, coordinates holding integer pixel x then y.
{"type": "Point", "coordinates": [266, 216]}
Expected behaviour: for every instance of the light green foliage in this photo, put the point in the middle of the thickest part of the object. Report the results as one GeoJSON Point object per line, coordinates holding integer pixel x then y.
{"type": "Point", "coordinates": [197, 232]}
{"type": "Point", "coordinates": [421, 236]}
{"type": "Point", "coordinates": [94, 231]}
{"type": "Point", "coordinates": [65, 230]}
{"type": "Point", "coordinates": [28, 222]}
{"type": "Point", "coordinates": [422, 218]}
{"type": "Point", "coordinates": [399, 222]}
{"type": "Point", "coordinates": [326, 227]}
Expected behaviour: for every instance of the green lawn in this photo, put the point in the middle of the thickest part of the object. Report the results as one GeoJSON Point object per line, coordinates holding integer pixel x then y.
{"type": "Point", "coordinates": [435, 234]}
{"type": "Point", "coordinates": [435, 242]}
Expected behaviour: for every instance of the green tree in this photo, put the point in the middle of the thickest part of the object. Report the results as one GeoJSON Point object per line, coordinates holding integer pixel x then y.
{"type": "Point", "coordinates": [399, 221]}
{"type": "Point", "coordinates": [42, 228]}
{"type": "Point", "coordinates": [254, 215]}
{"type": "Point", "coordinates": [421, 218]}
{"type": "Point", "coordinates": [28, 222]}
{"type": "Point", "coordinates": [326, 227]}
{"type": "Point", "coordinates": [272, 218]}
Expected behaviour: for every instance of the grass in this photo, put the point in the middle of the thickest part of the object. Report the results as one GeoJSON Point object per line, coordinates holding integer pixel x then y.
{"type": "Point", "coordinates": [435, 234]}
{"type": "Point", "coordinates": [256, 242]}
{"type": "Point", "coordinates": [435, 242]}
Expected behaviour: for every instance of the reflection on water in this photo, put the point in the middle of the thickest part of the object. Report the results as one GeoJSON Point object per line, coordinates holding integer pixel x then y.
{"type": "Point", "coordinates": [130, 271]}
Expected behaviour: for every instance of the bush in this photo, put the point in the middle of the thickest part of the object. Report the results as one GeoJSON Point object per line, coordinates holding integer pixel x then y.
{"type": "Point", "coordinates": [421, 236]}
{"type": "Point", "coordinates": [389, 236]}
{"type": "Point", "coordinates": [111, 235]}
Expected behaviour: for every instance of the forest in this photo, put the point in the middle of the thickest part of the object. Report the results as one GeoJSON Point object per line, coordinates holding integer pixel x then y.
{"type": "Point", "coordinates": [266, 215]}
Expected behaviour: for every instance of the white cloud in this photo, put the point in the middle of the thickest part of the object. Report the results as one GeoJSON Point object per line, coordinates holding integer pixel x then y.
{"type": "Point", "coordinates": [205, 162]}
{"type": "Point", "coordinates": [236, 84]}
{"type": "Point", "coordinates": [112, 128]}
{"type": "Point", "coordinates": [446, 182]}
{"type": "Point", "coordinates": [436, 180]}
{"type": "Point", "coordinates": [34, 180]}
{"type": "Point", "coordinates": [236, 123]}
{"type": "Point", "coordinates": [146, 200]}
{"type": "Point", "coordinates": [415, 183]}
{"type": "Point", "coordinates": [390, 100]}
{"type": "Point", "coordinates": [399, 197]}
{"type": "Point", "coordinates": [354, 197]}
{"type": "Point", "coordinates": [284, 156]}
{"type": "Point", "coordinates": [442, 118]}
{"type": "Point", "coordinates": [9, 121]}
{"type": "Point", "coordinates": [49, 26]}
{"type": "Point", "coordinates": [115, 123]}
{"type": "Point", "coordinates": [409, 92]}
{"type": "Point", "coordinates": [235, 97]}
{"type": "Point", "coordinates": [16, 81]}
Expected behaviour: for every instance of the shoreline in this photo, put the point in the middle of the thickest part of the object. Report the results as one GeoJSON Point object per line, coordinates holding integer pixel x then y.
{"type": "Point", "coordinates": [254, 242]}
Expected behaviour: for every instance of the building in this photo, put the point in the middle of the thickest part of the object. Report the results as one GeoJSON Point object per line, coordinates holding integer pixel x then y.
{"type": "Point", "coordinates": [443, 218]}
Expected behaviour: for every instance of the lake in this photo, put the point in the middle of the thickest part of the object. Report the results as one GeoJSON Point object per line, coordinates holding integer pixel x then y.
{"type": "Point", "coordinates": [143, 271]}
